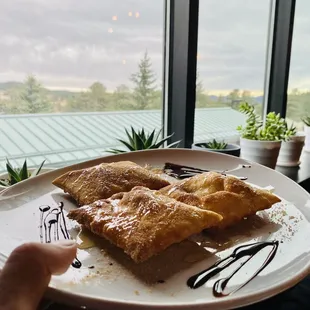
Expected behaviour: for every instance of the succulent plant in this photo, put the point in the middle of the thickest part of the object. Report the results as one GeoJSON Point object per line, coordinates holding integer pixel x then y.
{"type": "Point", "coordinates": [290, 132]}
{"type": "Point", "coordinates": [140, 140]}
{"type": "Point", "coordinates": [214, 145]}
{"type": "Point", "coordinates": [19, 174]}
{"type": "Point", "coordinates": [274, 129]}
{"type": "Point", "coordinates": [306, 120]}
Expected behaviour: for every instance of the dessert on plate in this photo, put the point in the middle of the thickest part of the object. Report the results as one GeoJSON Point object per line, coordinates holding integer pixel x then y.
{"type": "Point", "coordinates": [142, 213]}
{"type": "Point", "coordinates": [102, 181]}
{"type": "Point", "coordinates": [227, 195]}
{"type": "Point", "coordinates": [144, 222]}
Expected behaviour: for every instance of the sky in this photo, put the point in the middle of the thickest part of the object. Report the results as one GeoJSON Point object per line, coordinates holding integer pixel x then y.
{"type": "Point", "coordinates": [69, 44]}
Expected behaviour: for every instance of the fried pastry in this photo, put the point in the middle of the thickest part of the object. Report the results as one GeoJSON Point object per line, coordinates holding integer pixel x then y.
{"type": "Point", "coordinates": [102, 181]}
{"type": "Point", "coordinates": [143, 222]}
{"type": "Point", "coordinates": [226, 195]}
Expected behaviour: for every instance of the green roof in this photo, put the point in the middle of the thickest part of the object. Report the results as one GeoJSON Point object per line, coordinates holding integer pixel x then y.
{"type": "Point", "coordinates": [66, 138]}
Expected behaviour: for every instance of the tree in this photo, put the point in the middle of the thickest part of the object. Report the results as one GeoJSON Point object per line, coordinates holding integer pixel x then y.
{"type": "Point", "coordinates": [234, 98]}
{"type": "Point", "coordinates": [246, 96]}
{"type": "Point", "coordinates": [144, 83]}
{"type": "Point", "coordinates": [220, 100]}
{"type": "Point", "coordinates": [201, 98]}
{"type": "Point", "coordinates": [79, 103]}
{"type": "Point", "coordinates": [10, 103]}
{"type": "Point", "coordinates": [98, 96]}
{"type": "Point", "coordinates": [122, 98]}
{"type": "Point", "coordinates": [33, 97]}
{"type": "Point", "coordinates": [199, 84]}
{"type": "Point", "coordinates": [92, 100]}
{"type": "Point", "coordinates": [298, 105]}
{"type": "Point", "coordinates": [157, 102]}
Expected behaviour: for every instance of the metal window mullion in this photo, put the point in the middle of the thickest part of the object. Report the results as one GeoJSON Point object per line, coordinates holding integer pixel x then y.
{"type": "Point", "coordinates": [180, 69]}
{"type": "Point", "coordinates": [284, 12]}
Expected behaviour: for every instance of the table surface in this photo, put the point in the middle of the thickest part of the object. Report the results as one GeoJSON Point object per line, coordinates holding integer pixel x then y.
{"type": "Point", "coordinates": [297, 297]}
{"type": "Point", "coordinates": [299, 174]}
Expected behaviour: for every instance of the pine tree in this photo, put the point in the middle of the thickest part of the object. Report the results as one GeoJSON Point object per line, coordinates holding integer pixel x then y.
{"type": "Point", "coordinates": [33, 98]}
{"type": "Point", "coordinates": [144, 81]}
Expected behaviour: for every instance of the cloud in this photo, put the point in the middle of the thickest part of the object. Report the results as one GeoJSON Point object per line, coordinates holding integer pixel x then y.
{"type": "Point", "coordinates": [67, 43]}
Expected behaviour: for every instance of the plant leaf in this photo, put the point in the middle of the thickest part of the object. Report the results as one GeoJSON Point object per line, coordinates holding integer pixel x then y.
{"type": "Point", "coordinates": [157, 136]}
{"type": "Point", "coordinates": [37, 171]}
{"type": "Point", "coordinates": [149, 141]}
{"type": "Point", "coordinates": [115, 151]}
{"type": "Point", "coordinates": [142, 136]}
{"type": "Point", "coordinates": [130, 137]}
{"type": "Point", "coordinates": [139, 142]}
{"type": "Point", "coordinates": [161, 142]}
{"type": "Point", "coordinates": [173, 144]}
{"type": "Point", "coordinates": [135, 135]}
{"type": "Point", "coordinates": [5, 183]}
{"type": "Point", "coordinates": [23, 173]}
{"type": "Point", "coordinates": [13, 175]}
{"type": "Point", "coordinates": [131, 148]}
{"type": "Point", "coordinates": [134, 138]}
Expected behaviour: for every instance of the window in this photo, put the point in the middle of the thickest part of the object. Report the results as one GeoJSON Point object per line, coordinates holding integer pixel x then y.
{"type": "Point", "coordinates": [62, 60]}
{"type": "Point", "coordinates": [298, 99]}
{"type": "Point", "coordinates": [232, 43]}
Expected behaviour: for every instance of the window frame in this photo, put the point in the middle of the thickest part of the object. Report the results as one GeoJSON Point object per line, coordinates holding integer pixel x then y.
{"type": "Point", "coordinates": [180, 55]}
{"type": "Point", "coordinates": [180, 64]}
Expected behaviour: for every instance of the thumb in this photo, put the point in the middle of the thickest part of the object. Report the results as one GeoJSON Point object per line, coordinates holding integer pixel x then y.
{"type": "Point", "coordinates": [28, 271]}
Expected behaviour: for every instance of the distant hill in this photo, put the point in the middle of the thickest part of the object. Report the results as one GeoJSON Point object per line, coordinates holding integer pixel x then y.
{"type": "Point", "coordinates": [259, 99]}
{"type": "Point", "coordinates": [213, 97]}
{"type": "Point", "coordinates": [55, 93]}
{"type": "Point", "coordinates": [65, 94]}
{"type": "Point", "coordinates": [9, 85]}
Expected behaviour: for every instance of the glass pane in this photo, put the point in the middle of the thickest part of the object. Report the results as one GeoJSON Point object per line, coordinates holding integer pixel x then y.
{"type": "Point", "coordinates": [75, 74]}
{"type": "Point", "coordinates": [232, 43]}
{"type": "Point", "coordinates": [298, 100]}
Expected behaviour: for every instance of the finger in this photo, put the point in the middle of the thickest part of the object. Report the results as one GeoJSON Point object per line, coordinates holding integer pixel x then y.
{"type": "Point", "coordinates": [28, 271]}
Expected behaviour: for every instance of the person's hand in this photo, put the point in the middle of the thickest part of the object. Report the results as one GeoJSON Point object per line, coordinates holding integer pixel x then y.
{"type": "Point", "coordinates": [28, 270]}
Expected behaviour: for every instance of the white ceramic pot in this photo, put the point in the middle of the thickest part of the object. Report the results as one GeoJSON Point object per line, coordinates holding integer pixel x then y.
{"type": "Point", "coordinates": [307, 140]}
{"type": "Point", "coordinates": [291, 150]}
{"type": "Point", "coordinates": [262, 152]}
{"type": "Point", "coordinates": [5, 175]}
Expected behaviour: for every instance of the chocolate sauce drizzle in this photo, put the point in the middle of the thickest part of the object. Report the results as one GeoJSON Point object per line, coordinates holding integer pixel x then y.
{"type": "Point", "coordinates": [53, 220]}
{"type": "Point", "coordinates": [183, 172]}
{"type": "Point", "coordinates": [249, 250]}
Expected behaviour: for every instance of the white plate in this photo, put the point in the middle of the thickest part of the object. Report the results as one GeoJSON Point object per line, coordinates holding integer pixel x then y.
{"type": "Point", "coordinates": [122, 284]}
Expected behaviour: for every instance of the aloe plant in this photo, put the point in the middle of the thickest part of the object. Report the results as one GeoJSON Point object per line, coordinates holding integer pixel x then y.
{"type": "Point", "coordinates": [140, 140]}
{"type": "Point", "coordinates": [214, 145]}
{"type": "Point", "coordinates": [306, 120]}
{"type": "Point", "coordinates": [274, 129]}
{"type": "Point", "coordinates": [19, 174]}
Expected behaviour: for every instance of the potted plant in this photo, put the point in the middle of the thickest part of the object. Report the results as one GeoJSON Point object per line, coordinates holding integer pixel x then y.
{"type": "Point", "coordinates": [140, 140]}
{"type": "Point", "coordinates": [261, 141]}
{"type": "Point", "coordinates": [16, 175]}
{"type": "Point", "coordinates": [216, 146]}
{"type": "Point", "coordinates": [306, 121]}
{"type": "Point", "coordinates": [291, 149]}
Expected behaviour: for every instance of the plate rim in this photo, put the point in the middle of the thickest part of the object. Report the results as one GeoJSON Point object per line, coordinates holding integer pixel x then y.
{"type": "Point", "coordinates": [235, 301]}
